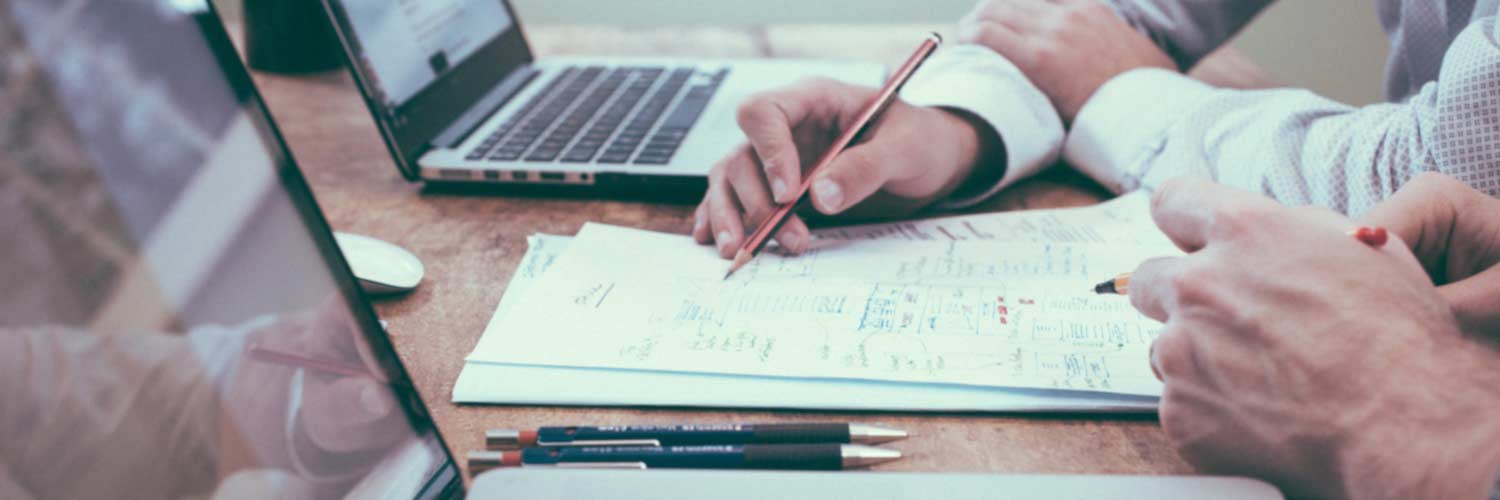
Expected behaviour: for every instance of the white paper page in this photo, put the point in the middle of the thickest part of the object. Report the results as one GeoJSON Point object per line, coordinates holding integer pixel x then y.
{"type": "Point", "coordinates": [978, 313]}
{"type": "Point", "coordinates": [492, 383]}
{"type": "Point", "coordinates": [1123, 220]}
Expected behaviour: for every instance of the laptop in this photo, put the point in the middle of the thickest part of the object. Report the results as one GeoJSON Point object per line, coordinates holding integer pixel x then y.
{"type": "Point", "coordinates": [178, 320]}
{"type": "Point", "coordinates": [460, 98]}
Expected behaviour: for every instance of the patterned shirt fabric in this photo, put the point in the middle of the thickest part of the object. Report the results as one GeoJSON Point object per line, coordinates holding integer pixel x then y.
{"type": "Point", "coordinates": [1443, 77]}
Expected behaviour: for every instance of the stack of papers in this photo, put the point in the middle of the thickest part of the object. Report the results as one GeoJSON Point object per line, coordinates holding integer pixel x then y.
{"type": "Point", "coordinates": [989, 312]}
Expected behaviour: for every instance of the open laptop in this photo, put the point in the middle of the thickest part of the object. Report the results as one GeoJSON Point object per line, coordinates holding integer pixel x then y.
{"type": "Point", "coordinates": [459, 97]}
{"type": "Point", "coordinates": [178, 320]}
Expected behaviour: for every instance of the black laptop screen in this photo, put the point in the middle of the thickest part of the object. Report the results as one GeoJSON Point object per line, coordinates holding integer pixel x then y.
{"type": "Point", "coordinates": [422, 64]}
{"type": "Point", "coordinates": [409, 44]}
{"type": "Point", "coordinates": [177, 321]}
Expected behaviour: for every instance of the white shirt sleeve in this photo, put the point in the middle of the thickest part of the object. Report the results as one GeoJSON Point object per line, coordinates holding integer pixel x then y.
{"type": "Point", "coordinates": [1146, 126]}
{"type": "Point", "coordinates": [979, 81]}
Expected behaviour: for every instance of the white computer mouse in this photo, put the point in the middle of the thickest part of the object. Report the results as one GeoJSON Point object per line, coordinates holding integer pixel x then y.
{"type": "Point", "coordinates": [381, 267]}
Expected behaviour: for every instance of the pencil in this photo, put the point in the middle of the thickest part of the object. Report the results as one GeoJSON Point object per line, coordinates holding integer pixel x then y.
{"type": "Point", "coordinates": [264, 354]}
{"type": "Point", "coordinates": [867, 117]}
{"type": "Point", "coordinates": [1375, 237]}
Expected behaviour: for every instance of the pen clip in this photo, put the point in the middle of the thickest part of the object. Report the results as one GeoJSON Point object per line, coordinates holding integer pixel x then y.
{"type": "Point", "coordinates": [602, 442]}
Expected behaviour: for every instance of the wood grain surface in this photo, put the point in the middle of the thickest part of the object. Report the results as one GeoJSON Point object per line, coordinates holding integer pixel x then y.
{"type": "Point", "coordinates": [472, 243]}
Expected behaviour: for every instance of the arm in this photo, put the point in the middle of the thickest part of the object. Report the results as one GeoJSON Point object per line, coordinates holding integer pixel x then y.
{"type": "Point", "coordinates": [1187, 30]}
{"type": "Point", "coordinates": [1146, 126]}
{"type": "Point", "coordinates": [66, 396]}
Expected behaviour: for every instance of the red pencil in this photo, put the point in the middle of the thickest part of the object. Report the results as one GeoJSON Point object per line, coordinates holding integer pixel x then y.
{"type": "Point", "coordinates": [871, 112]}
{"type": "Point", "coordinates": [268, 355]}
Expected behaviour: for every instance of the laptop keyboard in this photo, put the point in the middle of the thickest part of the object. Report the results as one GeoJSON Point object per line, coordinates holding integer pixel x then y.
{"type": "Point", "coordinates": [636, 115]}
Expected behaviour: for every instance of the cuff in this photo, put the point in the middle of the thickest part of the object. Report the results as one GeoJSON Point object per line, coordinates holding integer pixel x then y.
{"type": "Point", "coordinates": [1125, 124]}
{"type": "Point", "coordinates": [979, 81]}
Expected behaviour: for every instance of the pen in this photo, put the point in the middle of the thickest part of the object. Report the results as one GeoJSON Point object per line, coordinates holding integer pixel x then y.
{"type": "Point", "coordinates": [1372, 236]}
{"type": "Point", "coordinates": [692, 434]}
{"type": "Point", "coordinates": [822, 456]}
{"type": "Point", "coordinates": [866, 118]}
{"type": "Point", "coordinates": [268, 355]}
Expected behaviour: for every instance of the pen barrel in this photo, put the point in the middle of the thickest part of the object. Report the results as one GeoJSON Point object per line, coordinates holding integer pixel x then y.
{"type": "Point", "coordinates": [824, 456]}
{"type": "Point", "coordinates": [802, 433]}
{"type": "Point", "coordinates": [820, 456]}
{"type": "Point", "coordinates": [692, 434]}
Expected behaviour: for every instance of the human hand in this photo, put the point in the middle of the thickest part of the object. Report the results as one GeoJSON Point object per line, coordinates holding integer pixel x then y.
{"type": "Point", "coordinates": [340, 417]}
{"type": "Point", "coordinates": [1296, 354]}
{"type": "Point", "coordinates": [1068, 48]}
{"type": "Point", "coordinates": [1455, 232]}
{"type": "Point", "coordinates": [913, 156]}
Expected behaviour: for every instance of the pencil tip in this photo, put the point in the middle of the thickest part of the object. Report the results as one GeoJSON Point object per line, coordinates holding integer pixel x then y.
{"type": "Point", "coordinates": [1105, 287]}
{"type": "Point", "coordinates": [740, 259]}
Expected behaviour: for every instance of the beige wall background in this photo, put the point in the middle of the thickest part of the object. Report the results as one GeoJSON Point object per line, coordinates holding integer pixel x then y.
{"type": "Point", "coordinates": [1334, 47]}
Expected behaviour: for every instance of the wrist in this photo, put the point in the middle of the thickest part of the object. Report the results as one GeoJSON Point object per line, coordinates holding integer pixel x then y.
{"type": "Point", "coordinates": [980, 153]}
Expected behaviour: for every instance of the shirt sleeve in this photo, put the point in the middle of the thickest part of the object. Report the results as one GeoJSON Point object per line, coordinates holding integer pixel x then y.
{"type": "Point", "coordinates": [1187, 30]}
{"type": "Point", "coordinates": [1146, 126]}
{"type": "Point", "coordinates": [983, 83]}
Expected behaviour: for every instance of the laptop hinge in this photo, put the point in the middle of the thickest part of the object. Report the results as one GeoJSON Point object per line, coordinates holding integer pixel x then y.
{"type": "Point", "coordinates": [486, 106]}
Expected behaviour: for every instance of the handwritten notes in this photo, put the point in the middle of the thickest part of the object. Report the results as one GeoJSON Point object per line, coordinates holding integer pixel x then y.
{"type": "Point", "coordinates": [1010, 311]}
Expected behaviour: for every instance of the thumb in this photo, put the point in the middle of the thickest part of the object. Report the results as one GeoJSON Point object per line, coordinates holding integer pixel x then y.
{"type": "Point", "coordinates": [853, 176]}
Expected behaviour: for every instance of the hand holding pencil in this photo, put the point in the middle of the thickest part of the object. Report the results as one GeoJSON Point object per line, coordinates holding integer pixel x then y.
{"type": "Point", "coordinates": [914, 156]}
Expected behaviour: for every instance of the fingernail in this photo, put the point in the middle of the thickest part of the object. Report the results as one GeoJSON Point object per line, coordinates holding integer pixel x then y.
{"type": "Point", "coordinates": [723, 239]}
{"type": "Point", "coordinates": [373, 399]}
{"type": "Point", "coordinates": [778, 189]}
{"type": "Point", "coordinates": [697, 223]}
{"type": "Point", "coordinates": [829, 194]}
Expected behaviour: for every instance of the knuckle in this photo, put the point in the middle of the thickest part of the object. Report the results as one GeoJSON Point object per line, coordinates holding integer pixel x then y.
{"type": "Point", "coordinates": [1237, 220]}
{"type": "Point", "coordinates": [751, 110]}
{"type": "Point", "coordinates": [1195, 285]}
{"type": "Point", "coordinates": [1172, 353]}
{"type": "Point", "coordinates": [1169, 190]}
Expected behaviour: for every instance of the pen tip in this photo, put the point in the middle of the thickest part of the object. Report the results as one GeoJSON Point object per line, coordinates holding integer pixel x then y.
{"type": "Point", "coordinates": [874, 434]}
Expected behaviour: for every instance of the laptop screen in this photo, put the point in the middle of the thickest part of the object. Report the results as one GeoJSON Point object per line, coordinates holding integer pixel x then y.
{"type": "Point", "coordinates": [425, 66]}
{"type": "Point", "coordinates": [176, 320]}
{"type": "Point", "coordinates": [409, 44]}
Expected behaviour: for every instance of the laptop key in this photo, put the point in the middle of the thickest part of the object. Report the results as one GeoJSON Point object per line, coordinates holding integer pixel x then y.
{"type": "Point", "coordinates": [652, 159]}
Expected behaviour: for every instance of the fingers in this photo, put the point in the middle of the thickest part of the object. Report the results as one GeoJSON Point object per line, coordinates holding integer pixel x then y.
{"type": "Point", "coordinates": [702, 233]}
{"type": "Point", "coordinates": [1439, 218]}
{"type": "Point", "coordinates": [749, 187]}
{"type": "Point", "coordinates": [994, 35]}
{"type": "Point", "coordinates": [724, 214]}
{"type": "Point", "coordinates": [1191, 211]}
{"type": "Point", "coordinates": [767, 121]}
{"type": "Point", "coordinates": [349, 414]}
{"type": "Point", "coordinates": [1153, 286]}
{"type": "Point", "coordinates": [1475, 302]}
{"type": "Point", "coordinates": [738, 198]}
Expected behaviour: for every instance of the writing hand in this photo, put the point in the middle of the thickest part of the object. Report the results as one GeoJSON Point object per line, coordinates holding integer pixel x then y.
{"type": "Point", "coordinates": [914, 155]}
{"type": "Point", "coordinates": [1296, 354]}
{"type": "Point", "coordinates": [1068, 48]}
{"type": "Point", "coordinates": [338, 415]}
{"type": "Point", "coordinates": [1455, 232]}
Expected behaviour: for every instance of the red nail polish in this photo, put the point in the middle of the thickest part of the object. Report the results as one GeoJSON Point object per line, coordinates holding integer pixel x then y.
{"type": "Point", "coordinates": [1373, 236]}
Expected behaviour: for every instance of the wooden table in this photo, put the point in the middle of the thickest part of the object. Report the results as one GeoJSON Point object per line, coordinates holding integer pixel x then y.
{"type": "Point", "coordinates": [471, 245]}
